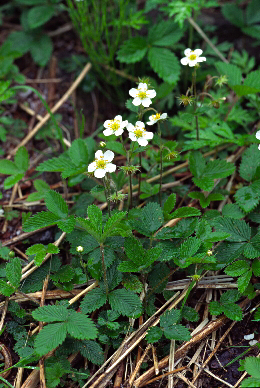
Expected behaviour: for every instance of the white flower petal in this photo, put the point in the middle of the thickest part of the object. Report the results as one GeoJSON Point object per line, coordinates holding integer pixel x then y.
{"type": "Point", "coordinates": [259, 147]}
{"type": "Point", "coordinates": [119, 132]}
{"type": "Point", "coordinates": [148, 135]}
{"type": "Point", "coordinates": [201, 59]}
{"type": "Point", "coordinates": [163, 116]}
{"type": "Point", "coordinates": [185, 61]}
{"type": "Point", "coordinates": [146, 102]}
{"type": "Point", "coordinates": [106, 123]}
{"type": "Point", "coordinates": [142, 86]}
{"type": "Point", "coordinates": [92, 166]}
{"type": "Point", "coordinates": [99, 154]}
{"type": "Point", "coordinates": [130, 127]}
{"type": "Point", "coordinates": [133, 92]}
{"type": "Point", "coordinates": [142, 142]}
{"type": "Point", "coordinates": [249, 336]}
{"type": "Point", "coordinates": [108, 132]}
{"type": "Point", "coordinates": [257, 135]}
{"type": "Point", "coordinates": [253, 342]}
{"type": "Point", "coordinates": [139, 124]}
{"type": "Point", "coordinates": [124, 123]}
{"type": "Point", "coordinates": [192, 63]}
{"type": "Point", "coordinates": [110, 167]}
{"type": "Point", "coordinates": [109, 155]}
{"type": "Point", "coordinates": [132, 136]}
{"type": "Point", "coordinates": [137, 101]}
{"type": "Point", "coordinates": [187, 52]}
{"type": "Point", "coordinates": [151, 122]}
{"type": "Point", "coordinates": [198, 52]}
{"type": "Point", "coordinates": [100, 173]}
{"type": "Point", "coordinates": [151, 93]}
{"type": "Point", "coordinates": [118, 118]}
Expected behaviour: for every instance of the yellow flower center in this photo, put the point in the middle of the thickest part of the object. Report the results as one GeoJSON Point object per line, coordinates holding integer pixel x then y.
{"type": "Point", "coordinates": [156, 117]}
{"type": "Point", "coordinates": [142, 95]}
{"type": "Point", "coordinates": [114, 125]}
{"type": "Point", "coordinates": [138, 133]}
{"type": "Point", "coordinates": [193, 57]}
{"type": "Point", "coordinates": [101, 163]}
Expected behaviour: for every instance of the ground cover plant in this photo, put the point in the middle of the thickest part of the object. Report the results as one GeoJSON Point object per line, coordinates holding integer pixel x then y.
{"type": "Point", "coordinates": [130, 194]}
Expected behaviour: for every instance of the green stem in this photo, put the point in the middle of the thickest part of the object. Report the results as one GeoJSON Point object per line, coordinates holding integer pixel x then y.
{"type": "Point", "coordinates": [161, 164]}
{"type": "Point", "coordinates": [104, 268]}
{"type": "Point", "coordinates": [130, 192]}
{"type": "Point", "coordinates": [195, 104]}
{"type": "Point", "coordinates": [139, 175]}
{"type": "Point", "coordinates": [106, 184]}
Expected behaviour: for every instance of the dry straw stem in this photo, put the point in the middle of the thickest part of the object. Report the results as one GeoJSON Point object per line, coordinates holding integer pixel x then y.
{"type": "Point", "coordinates": [164, 375]}
{"type": "Point", "coordinates": [53, 110]}
{"type": "Point", "coordinates": [182, 350]}
{"type": "Point", "coordinates": [7, 360]}
{"type": "Point", "coordinates": [138, 366]}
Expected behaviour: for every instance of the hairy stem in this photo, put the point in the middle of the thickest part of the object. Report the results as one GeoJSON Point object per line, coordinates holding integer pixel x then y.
{"type": "Point", "coordinates": [161, 164]}
{"type": "Point", "coordinates": [104, 267]}
{"type": "Point", "coordinates": [195, 105]}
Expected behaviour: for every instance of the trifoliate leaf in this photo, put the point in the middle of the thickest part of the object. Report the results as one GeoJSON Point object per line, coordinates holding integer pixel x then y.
{"type": "Point", "coordinates": [51, 313]}
{"type": "Point", "coordinates": [93, 300]}
{"type": "Point", "coordinates": [125, 302]}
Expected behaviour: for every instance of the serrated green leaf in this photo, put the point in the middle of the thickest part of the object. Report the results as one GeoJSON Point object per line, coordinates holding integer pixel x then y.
{"type": "Point", "coordinates": [21, 159]}
{"type": "Point", "coordinates": [250, 252]}
{"type": "Point", "coordinates": [134, 250]}
{"type": "Point", "coordinates": [52, 248]}
{"type": "Point", "coordinates": [67, 225]}
{"type": "Point", "coordinates": [56, 204]}
{"type": "Point", "coordinates": [230, 296]}
{"type": "Point", "coordinates": [133, 283]}
{"type": "Point", "coordinates": [233, 311]}
{"type": "Point", "coordinates": [78, 152]}
{"type": "Point", "coordinates": [65, 274]}
{"type": "Point", "coordinates": [243, 280]}
{"type": "Point", "coordinates": [169, 204]}
{"type": "Point", "coordinates": [112, 223]}
{"type": "Point", "coordinates": [149, 219]}
{"type": "Point", "coordinates": [132, 50]}
{"type": "Point", "coordinates": [215, 308]}
{"type": "Point", "coordinates": [116, 147]}
{"type": "Point", "coordinates": [39, 15]}
{"type": "Point", "coordinates": [36, 248]}
{"type": "Point", "coordinates": [253, 80]}
{"type": "Point", "coordinates": [234, 14]}
{"type": "Point", "coordinates": [95, 218]}
{"type": "Point", "coordinates": [169, 318]}
{"type": "Point", "coordinates": [189, 247]}
{"type": "Point", "coordinates": [256, 267]}
{"type": "Point", "coordinates": [237, 268]}
{"type": "Point", "coordinates": [14, 271]}
{"type": "Point", "coordinates": [131, 106]}
{"type": "Point", "coordinates": [80, 326]}
{"type": "Point", "coordinates": [177, 332]}
{"type": "Point", "coordinates": [232, 210]}
{"type": "Point", "coordinates": [231, 71]}
{"type": "Point", "coordinates": [165, 33]}
{"type": "Point", "coordinates": [41, 49]}
{"type": "Point", "coordinates": [128, 266]}
{"type": "Point", "coordinates": [93, 300]}
{"type": "Point", "coordinates": [40, 220]}
{"type": "Point", "coordinates": [197, 164]}
{"type": "Point", "coordinates": [239, 230]}
{"type": "Point", "coordinates": [218, 169]}
{"type": "Point", "coordinates": [246, 198]}
{"type": "Point", "coordinates": [12, 180]}
{"type": "Point", "coordinates": [125, 302]}
{"type": "Point", "coordinates": [50, 337]}
{"type": "Point", "coordinates": [204, 183]}
{"type": "Point", "coordinates": [62, 163]}
{"type": "Point", "coordinates": [153, 335]}
{"type": "Point", "coordinates": [252, 366]}
{"type": "Point", "coordinates": [185, 212]}
{"type": "Point", "coordinates": [8, 167]}
{"type": "Point", "coordinates": [250, 382]}
{"type": "Point", "coordinates": [51, 314]}
{"type": "Point", "coordinates": [5, 288]}
{"type": "Point", "coordinates": [190, 314]}
{"type": "Point", "coordinates": [165, 64]}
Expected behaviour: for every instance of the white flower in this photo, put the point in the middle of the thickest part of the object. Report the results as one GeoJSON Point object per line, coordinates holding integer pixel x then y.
{"type": "Point", "coordinates": [192, 57]}
{"type": "Point", "coordinates": [257, 135]}
{"type": "Point", "coordinates": [102, 164]}
{"type": "Point", "coordinates": [249, 336]}
{"type": "Point", "coordinates": [115, 127]}
{"type": "Point", "coordinates": [154, 118]}
{"type": "Point", "coordinates": [138, 133]}
{"type": "Point", "coordinates": [253, 342]}
{"type": "Point", "coordinates": [142, 95]}
{"type": "Point", "coordinates": [79, 249]}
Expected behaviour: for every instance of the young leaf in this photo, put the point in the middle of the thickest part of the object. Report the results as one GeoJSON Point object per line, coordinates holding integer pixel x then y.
{"type": "Point", "coordinates": [42, 187]}
{"type": "Point", "coordinates": [14, 271]}
{"type": "Point", "coordinates": [8, 167]}
{"type": "Point", "coordinates": [12, 180]}
{"type": "Point", "coordinates": [56, 204]}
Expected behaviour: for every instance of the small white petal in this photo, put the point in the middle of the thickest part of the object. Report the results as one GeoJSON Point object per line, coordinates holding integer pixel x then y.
{"type": "Point", "coordinates": [151, 93]}
{"type": "Point", "coordinates": [137, 101]}
{"type": "Point", "coordinates": [148, 135]}
{"type": "Point", "coordinates": [106, 123]}
{"type": "Point", "coordinates": [118, 118]}
{"type": "Point", "coordinates": [192, 63]}
{"type": "Point", "coordinates": [132, 136]}
{"type": "Point", "coordinates": [133, 92]}
{"type": "Point", "coordinates": [130, 127]}
{"type": "Point", "coordinates": [139, 124]}
{"type": "Point", "coordinates": [124, 123]}
{"type": "Point", "coordinates": [257, 135]}
{"type": "Point", "coordinates": [249, 336]}
{"type": "Point", "coordinates": [142, 86]}
{"type": "Point", "coordinates": [259, 147]}
{"type": "Point", "coordinates": [253, 342]}
{"type": "Point", "coordinates": [109, 155]}
{"type": "Point", "coordinates": [99, 154]}
{"type": "Point", "coordinates": [151, 122]}
{"type": "Point", "coordinates": [198, 52]}
{"type": "Point", "coordinates": [146, 102]}
{"type": "Point", "coordinates": [142, 142]}
{"type": "Point", "coordinates": [185, 61]}
{"type": "Point", "coordinates": [119, 132]}
{"type": "Point", "coordinates": [100, 173]}
{"type": "Point", "coordinates": [110, 167]}
{"type": "Point", "coordinates": [92, 166]}
{"type": "Point", "coordinates": [201, 59]}
{"type": "Point", "coordinates": [187, 52]}
{"type": "Point", "coordinates": [108, 132]}
{"type": "Point", "coordinates": [163, 116]}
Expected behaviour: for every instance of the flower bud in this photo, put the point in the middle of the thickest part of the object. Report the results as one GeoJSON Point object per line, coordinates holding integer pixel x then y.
{"type": "Point", "coordinates": [102, 144]}
{"type": "Point", "coordinates": [79, 249]}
